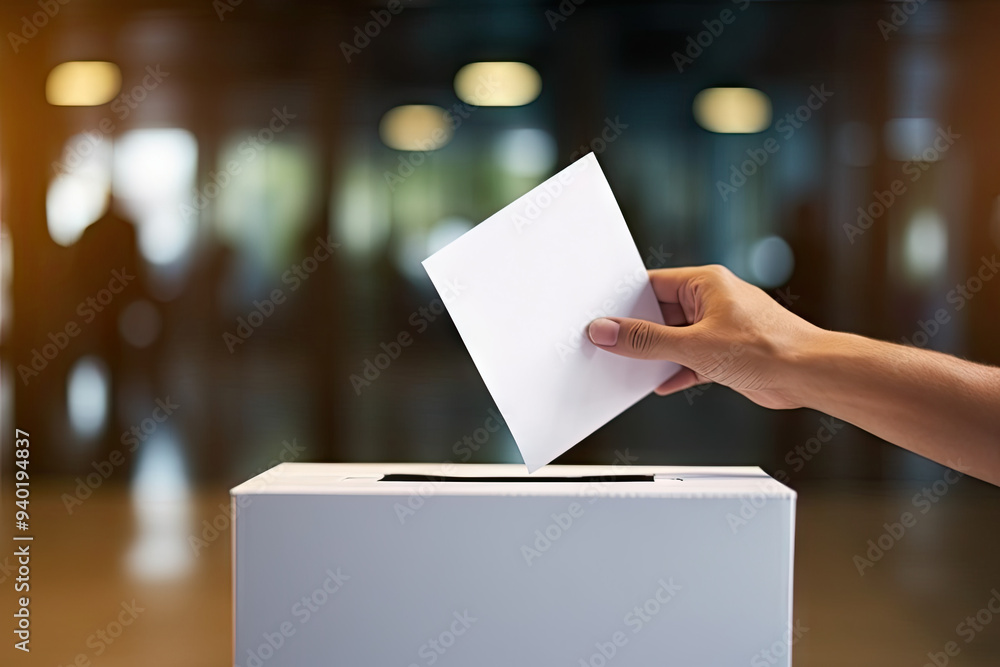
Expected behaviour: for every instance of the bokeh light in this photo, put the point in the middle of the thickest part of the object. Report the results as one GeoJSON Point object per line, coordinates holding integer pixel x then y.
{"type": "Point", "coordinates": [925, 245]}
{"type": "Point", "coordinates": [161, 503]}
{"type": "Point", "coordinates": [87, 394]}
{"type": "Point", "coordinates": [139, 323]}
{"type": "Point", "coordinates": [83, 83]}
{"type": "Point", "coordinates": [912, 139]}
{"type": "Point", "coordinates": [78, 197]}
{"type": "Point", "coordinates": [498, 84]}
{"type": "Point", "coordinates": [771, 262]}
{"type": "Point", "coordinates": [415, 127]}
{"type": "Point", "coordinates": [154, 176]}
{"type": "Point", "coordinates": [732, 110]}
{"type": "Point", "coordinates": [526, 152]}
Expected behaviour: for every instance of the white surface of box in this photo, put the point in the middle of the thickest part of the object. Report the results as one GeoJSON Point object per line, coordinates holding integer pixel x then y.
{"type": "Point", "coordinates": [335, 565]}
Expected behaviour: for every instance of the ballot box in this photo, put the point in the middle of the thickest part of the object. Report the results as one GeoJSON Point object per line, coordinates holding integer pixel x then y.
{"type": "Point", "coordinates": [483, 565]}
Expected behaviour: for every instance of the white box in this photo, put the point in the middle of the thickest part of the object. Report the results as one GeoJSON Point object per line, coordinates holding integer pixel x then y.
{"type": "Point", "coordinates": [637, 565]}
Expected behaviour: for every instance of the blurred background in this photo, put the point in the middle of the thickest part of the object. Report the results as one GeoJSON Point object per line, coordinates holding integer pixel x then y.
{"type": "Point", "coordinates": [214, 211]}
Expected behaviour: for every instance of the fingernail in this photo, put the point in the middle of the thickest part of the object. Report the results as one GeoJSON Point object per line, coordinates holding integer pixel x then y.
{"type": "Point", "coordinates": [603, 331]}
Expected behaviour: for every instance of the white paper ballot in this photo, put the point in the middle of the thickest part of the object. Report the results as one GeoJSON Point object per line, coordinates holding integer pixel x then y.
{"type": "Point", "coordinates": [522, 287]}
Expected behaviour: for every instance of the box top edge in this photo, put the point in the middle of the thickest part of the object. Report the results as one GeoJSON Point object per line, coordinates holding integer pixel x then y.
{"type": "Point", "coordinates": [364, 479]}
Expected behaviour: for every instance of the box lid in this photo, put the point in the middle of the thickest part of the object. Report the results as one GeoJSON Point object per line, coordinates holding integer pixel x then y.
{"type": "Point", "coordinates": [512, 479]}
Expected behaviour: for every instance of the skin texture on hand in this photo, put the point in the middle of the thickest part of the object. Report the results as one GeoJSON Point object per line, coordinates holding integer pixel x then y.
{"type": "Point", "coordinates": [720, 329]}
{"type": "Point", "coordinates": [724, 330]}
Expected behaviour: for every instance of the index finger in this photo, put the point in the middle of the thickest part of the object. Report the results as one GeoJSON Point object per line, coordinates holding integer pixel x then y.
{"type": "Point", "coordinates": [667, 283]}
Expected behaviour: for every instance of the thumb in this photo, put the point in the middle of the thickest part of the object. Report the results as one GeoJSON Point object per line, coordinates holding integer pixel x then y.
{"type": "Point", "coordinates": [639, 339]}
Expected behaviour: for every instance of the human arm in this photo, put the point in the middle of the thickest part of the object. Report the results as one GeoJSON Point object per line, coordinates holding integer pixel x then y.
{"type": "Point", "coordinates": [723, 330]}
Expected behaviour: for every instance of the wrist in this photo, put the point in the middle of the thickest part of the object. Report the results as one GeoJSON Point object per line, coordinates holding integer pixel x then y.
{"type": "Point", "coordinates": [807, 370]}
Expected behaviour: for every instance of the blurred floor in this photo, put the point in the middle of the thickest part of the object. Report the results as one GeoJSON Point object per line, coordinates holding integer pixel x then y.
{"type": "Point", "coordinates": [908, 603]}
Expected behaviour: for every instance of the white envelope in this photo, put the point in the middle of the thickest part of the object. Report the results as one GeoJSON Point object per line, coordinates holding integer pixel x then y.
{"type": "Point", "coordinates": [523, 285]}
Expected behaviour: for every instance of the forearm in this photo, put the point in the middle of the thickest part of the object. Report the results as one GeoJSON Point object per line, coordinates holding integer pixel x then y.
{"type": "Point", "coordinates": [721, 329]}
{"type": "Point", "coordinates": [938, 406]}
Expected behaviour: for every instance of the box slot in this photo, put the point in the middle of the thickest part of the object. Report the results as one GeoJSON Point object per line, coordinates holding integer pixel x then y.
{"type": "Point", "coordinates": [600, 479]}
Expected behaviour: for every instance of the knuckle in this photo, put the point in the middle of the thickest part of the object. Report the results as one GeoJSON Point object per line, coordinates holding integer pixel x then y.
{"type": "Point", "coordinates": [719, 271]}
{"type": "Point", "coordinates": [641, 338]}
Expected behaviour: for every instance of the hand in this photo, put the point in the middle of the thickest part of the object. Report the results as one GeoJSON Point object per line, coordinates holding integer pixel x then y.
{"type": "Point", "coordinates": [720, 329]}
